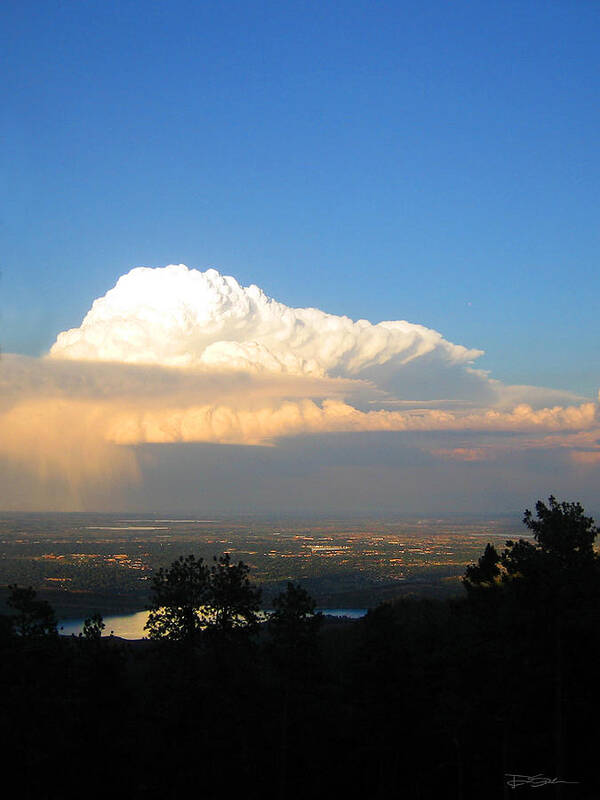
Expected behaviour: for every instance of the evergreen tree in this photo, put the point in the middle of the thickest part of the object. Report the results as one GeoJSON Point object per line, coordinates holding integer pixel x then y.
{"type": "Point", "coordinates": [293, 626]}
{"type": "Point", "coordinates": [93, 627]}
{"type": "Point", "coordinates": [486, 571]}
{"type": "Point", "coordinates": [178, 599]}
{"type": "Point", "coordinates": [233, 603]}
{"type": "Point", "coordinates": [189, 599]}
{"type": "Point", "coordinates": [33, 617]}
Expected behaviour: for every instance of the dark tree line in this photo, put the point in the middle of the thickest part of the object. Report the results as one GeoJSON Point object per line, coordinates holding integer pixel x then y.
{"type": "Point", "coordinates": [420, 699]}
{"type": "Point", "coordinates": [191, 601]}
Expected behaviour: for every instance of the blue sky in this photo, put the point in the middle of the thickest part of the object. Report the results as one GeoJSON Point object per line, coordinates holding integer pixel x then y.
{"type": "Point", "coordinates": [381, 160]}
{"type": "Point", "coordinates": [433, 162]}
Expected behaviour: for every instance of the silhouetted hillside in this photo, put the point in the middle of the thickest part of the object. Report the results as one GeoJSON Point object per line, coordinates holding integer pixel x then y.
{"type": "Point", "coordinates": [422, 698]}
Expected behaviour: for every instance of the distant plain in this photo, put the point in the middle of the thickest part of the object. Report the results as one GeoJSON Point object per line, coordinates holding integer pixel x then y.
{"type": "Point", "coordinates": [85, 563]}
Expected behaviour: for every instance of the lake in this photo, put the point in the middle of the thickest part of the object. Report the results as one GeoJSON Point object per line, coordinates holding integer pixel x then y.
{"type": "Point", "coordinates": [131, 626]}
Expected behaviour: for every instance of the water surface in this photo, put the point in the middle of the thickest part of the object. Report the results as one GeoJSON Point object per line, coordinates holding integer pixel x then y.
{"type": "Point", "coordinates": [131, 626]}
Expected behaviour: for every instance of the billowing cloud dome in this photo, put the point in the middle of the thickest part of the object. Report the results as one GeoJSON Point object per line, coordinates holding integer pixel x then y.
{"type": "Point", "coordinates": [175, 316]}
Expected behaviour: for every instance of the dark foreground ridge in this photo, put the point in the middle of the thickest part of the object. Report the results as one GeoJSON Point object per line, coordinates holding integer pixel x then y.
{"type": "Point", "coordinates": [479, 696]}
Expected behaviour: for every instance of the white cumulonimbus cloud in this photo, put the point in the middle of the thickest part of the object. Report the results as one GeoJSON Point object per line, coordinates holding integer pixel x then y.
{"type": "Point", "coordinates": [173, 355]}
{"type": "Point", "coordinates": [175, 316]}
